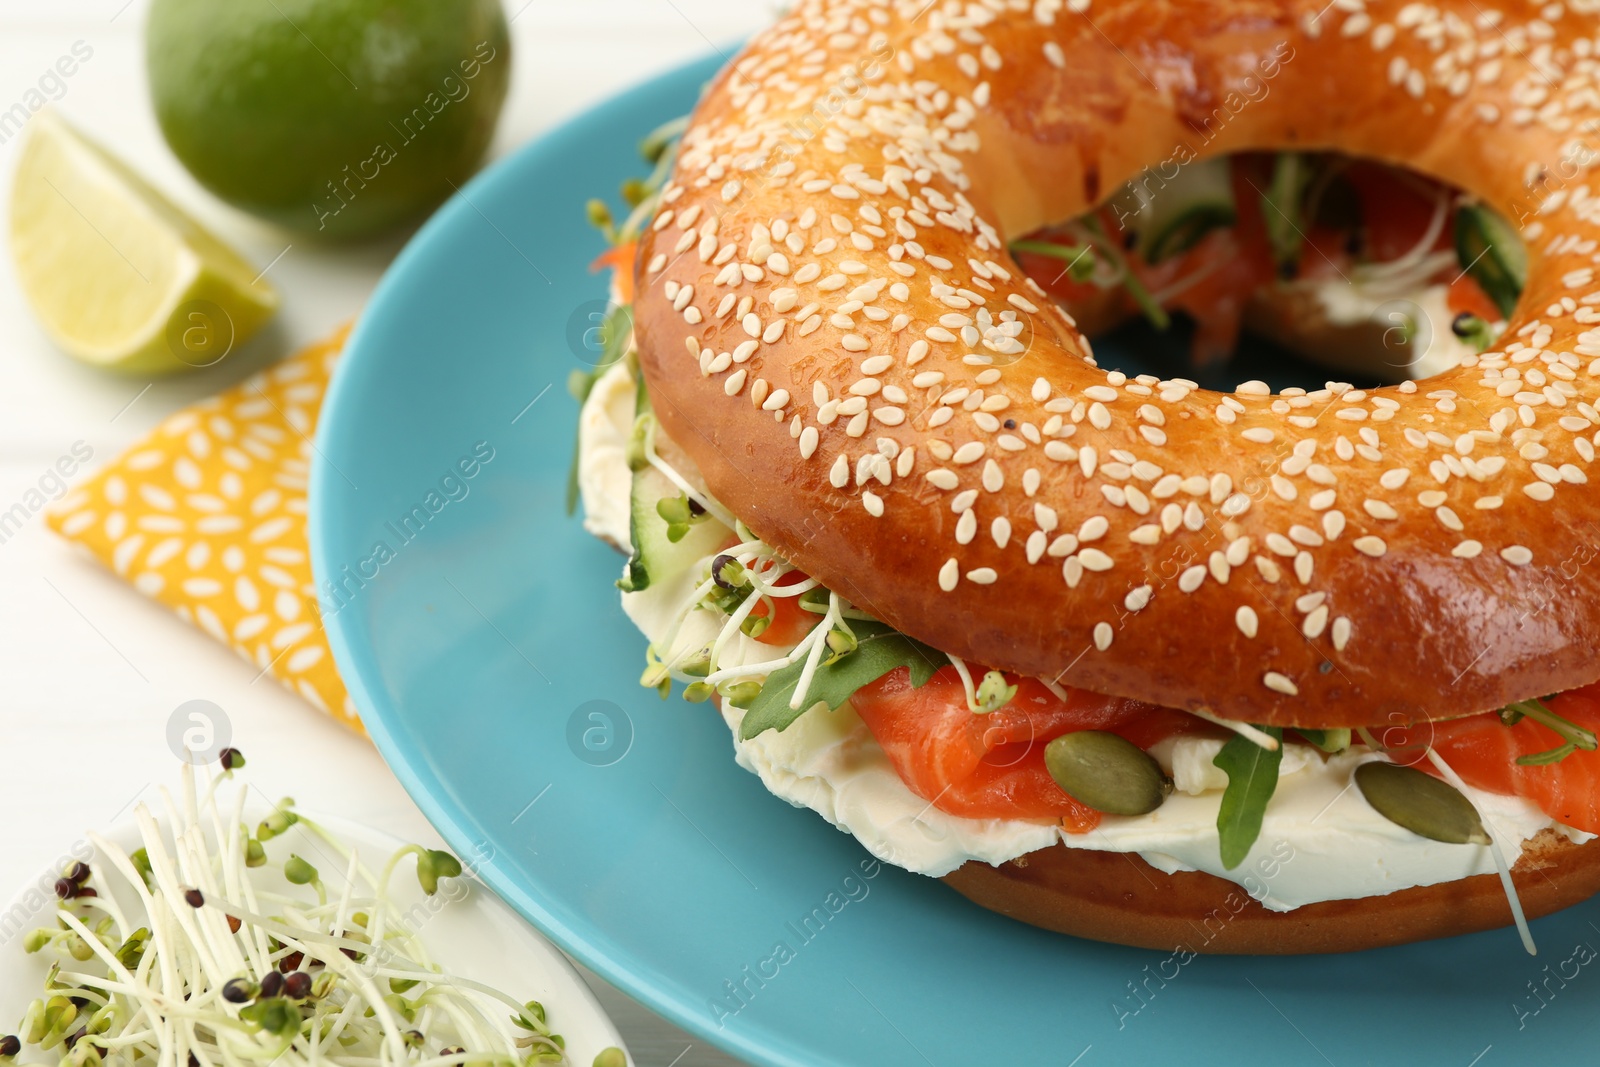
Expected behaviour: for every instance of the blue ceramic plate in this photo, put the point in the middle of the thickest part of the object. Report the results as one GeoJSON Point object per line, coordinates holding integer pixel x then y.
{"type": "Point", "coordinates": [483, 642]}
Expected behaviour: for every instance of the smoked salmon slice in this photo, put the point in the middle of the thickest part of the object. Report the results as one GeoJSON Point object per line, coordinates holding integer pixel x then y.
{"type": "Point", "coordinates": [992, 766]}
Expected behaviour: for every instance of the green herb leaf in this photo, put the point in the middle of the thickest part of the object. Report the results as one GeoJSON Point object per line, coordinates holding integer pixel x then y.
{"type": "Point", "coordinates": [1252, 778]}
{"type": "Point", "coordinates": [879, 650]}
{"type": "Point", "coordinates": [1545, 759]}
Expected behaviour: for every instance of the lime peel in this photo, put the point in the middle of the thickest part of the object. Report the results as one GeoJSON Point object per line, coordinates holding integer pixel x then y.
{"type": "Point", "coordinates": [119, 276]}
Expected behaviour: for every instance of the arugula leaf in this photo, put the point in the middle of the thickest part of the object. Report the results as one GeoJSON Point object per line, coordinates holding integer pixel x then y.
{"type": "Point", "coordinates": [1252, 778]}
{"type": "Point", "coordinates": [1573, 735]}
{"type": "Point", "coordinates": [879, 650]}
{"type": "Point", "coordinates": [1136, 289]}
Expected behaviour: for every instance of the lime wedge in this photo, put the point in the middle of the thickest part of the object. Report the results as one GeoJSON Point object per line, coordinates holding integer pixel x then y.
{"type": "Point", "coordinates": [118, 275]}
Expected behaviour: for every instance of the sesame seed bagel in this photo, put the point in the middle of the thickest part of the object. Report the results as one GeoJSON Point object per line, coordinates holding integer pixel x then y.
{"type": "Point", "coordinates": [831, 327]}
{"type": "Point", "coordinates": [1118, 897]}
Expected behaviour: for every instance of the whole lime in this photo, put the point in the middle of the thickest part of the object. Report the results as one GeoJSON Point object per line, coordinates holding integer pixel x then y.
{"type": "Point", "coordinates": [340, 118]}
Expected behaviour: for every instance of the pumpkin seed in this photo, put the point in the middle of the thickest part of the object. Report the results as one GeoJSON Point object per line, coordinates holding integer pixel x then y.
{"type": "Point", "coordinates": [1108, 773]}
{"type": "Point", "coordinates": [1421, 803]}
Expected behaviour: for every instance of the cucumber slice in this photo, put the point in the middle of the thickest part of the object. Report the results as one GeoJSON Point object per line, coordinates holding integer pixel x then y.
{"type": "Point", "coordinates": [1171, 216]}
{"type": "Point", "coordinates": [656, 557]}
{"type": "Point", "coordinates": [1492, 252]}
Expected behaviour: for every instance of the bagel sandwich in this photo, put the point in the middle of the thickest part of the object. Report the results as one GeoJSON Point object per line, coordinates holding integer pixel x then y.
{"type": "Point", "coordinates": [1211, 671]}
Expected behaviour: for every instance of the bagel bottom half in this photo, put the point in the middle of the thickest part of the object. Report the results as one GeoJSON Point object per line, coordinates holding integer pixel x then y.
{"type": "Point", "coordinates": [1118, 897]}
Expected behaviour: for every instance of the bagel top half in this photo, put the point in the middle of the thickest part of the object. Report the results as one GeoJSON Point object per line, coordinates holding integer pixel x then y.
{"type": "Point", "coordinates": [831, 327]}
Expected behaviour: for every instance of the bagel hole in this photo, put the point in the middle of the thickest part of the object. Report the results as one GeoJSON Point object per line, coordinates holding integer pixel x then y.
{"type": "Point", "coordinates": [1285, 268]}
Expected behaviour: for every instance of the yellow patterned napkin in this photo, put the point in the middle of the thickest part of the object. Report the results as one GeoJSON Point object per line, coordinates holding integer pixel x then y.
{"type": "Point", "coordinates": [208, 516]}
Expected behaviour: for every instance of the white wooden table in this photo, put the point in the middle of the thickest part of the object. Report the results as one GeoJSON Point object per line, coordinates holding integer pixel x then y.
{"type": "Point", "coordinates": [90, 671]}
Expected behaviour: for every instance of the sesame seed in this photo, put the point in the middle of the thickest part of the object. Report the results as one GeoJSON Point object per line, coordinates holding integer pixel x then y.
{"type": "Point", "coordinates": [1095, 560]}
{"type": "Point", "coordinates": [1303, 567]}
{"type": "Point", "coordinates": [1280, 683]}
{"type": "Point", "coordinates": [1517, 555]}
{"type": "Point", "coordinates": [1315, 623]}
{"type": "Point", "coordinates": [982, 576]}
{"type": "Point", "coordinates": [1341, 633]}
{"type": "Point", "coordinates": [1103, 634]}
{"type": "Point", "coordinates": [1249, 625]}
{"type": "Point", "coordinates": [1371, 546]}
{"type": "Point", "coordinates": [949, 575]}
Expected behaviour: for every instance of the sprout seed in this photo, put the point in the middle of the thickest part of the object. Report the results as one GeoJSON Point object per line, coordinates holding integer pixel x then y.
{"type": "Point", "coordinates": [239, 991]}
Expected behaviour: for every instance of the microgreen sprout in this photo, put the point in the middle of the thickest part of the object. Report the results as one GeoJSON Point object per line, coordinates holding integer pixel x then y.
{"type": "Point", "coordinates": [679, 513]}
{"type": "Point", "coordinates": [994, 693]}
{"type": "Point", "coordinates": [278, 822]}
{"type": "Point", "coordinates": [141, 863]}
{"type": "Point", "coordinates": [433, 865]}
{"type": "Point", "coordinates": [299, 872]}
{"type": "Point", "coordinates": [841, 642]}
{"type": "Point", "coordinates": [600, 218]}
{"type": "Point", "coordinates": [1473, 329]}
{"type": "Point", "coordinates": [186, 955]}
{"type": "Point", "coordinates": [740, 693]}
